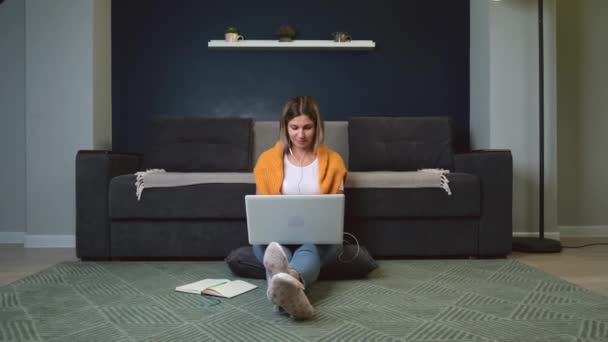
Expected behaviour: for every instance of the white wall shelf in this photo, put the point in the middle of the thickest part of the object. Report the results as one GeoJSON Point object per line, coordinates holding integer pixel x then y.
{"type": "Point", "coordinates": [293, 45]}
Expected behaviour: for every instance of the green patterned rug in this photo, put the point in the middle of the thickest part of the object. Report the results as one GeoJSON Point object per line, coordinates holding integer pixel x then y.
{"type": "Point", "coordinates": [403, 300]}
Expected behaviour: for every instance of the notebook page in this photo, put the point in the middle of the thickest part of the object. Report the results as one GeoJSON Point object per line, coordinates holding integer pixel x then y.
{"type": "Point", "coordinates": [199, 286]}
{"type": "Point", "coordinates": [231, 289]}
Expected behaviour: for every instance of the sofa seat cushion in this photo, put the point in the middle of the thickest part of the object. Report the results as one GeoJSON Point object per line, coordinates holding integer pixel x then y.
{"type": "Point", "coordinates": [200, 201]}
{"type": "Point", "coordinates": [417, 202]}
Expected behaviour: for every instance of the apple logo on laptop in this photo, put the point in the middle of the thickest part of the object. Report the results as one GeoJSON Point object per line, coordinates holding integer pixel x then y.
{"type": "Point", "coordinates": [295, 221]}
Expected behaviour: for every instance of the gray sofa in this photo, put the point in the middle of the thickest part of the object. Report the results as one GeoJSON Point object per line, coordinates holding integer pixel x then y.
{"type": "Point", "coordinates": [208, 220]}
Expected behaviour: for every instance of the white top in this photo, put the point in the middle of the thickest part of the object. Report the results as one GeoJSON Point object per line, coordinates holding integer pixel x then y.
{"type": "Point", "coordinates": [301, 180]}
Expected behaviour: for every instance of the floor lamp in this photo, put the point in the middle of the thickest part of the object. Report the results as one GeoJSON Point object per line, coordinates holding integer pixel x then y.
{"type": "Point", "coordinates": [539, 244]}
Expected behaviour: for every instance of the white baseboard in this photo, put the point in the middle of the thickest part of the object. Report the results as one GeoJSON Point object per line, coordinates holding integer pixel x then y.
{"type": "Point", "coordinates": [548, 235]}
{"type": "Point", "coordinates": [50, 241]}
{"type": "Point", "coordinates": [12, 237]}
{"type": "Point", "coordinates": [584, 231]}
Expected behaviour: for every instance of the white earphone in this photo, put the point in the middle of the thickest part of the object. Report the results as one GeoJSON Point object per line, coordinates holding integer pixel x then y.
{"type": "Point", "coordinates": [301, 169]}
{"type": "Point", "coordinates": [339, 257]}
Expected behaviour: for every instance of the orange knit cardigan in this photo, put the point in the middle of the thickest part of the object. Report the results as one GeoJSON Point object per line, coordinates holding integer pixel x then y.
{"type": "Point", "coordinates": [268, 170]}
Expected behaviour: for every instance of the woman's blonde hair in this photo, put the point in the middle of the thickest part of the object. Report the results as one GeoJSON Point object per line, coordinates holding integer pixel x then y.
{"type": "Point", "coordinates": [296, 106]}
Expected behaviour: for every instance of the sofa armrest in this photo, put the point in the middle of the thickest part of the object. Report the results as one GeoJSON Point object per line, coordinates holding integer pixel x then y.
{"type": "Point", "coordinates": [495, 171]}
{"type": "Point", "coordinates": [94, 170]}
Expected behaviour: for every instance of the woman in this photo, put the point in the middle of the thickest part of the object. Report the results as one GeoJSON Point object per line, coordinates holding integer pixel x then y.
{"type": "Point", "coordinates": [299, 163]}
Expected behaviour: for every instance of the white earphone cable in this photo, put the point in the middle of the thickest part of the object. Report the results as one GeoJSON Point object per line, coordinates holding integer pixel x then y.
{"type": "Point", "coordinates": [345, 233]}
{"type": "Point", "coordinates": [301, 170]}
{"type": "Point", "coordinates": [356, 253]}
{"type": "Point", "coordinates": [300, 181]}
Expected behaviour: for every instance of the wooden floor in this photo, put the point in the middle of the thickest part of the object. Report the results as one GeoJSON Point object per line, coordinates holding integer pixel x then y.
{"type": "Point", "coordinates": [587, 267]}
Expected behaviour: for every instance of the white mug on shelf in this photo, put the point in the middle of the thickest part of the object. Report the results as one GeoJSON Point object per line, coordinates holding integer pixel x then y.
{"type": "Point", "coordinates": [233, 37]}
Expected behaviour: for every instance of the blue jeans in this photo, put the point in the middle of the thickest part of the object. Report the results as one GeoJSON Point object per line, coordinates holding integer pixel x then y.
{"type": "Point", "coordinates": [307, 259]}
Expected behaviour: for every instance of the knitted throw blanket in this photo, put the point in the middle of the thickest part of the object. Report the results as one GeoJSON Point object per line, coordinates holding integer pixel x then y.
{"type": "Point", "coordinates": [424, 178]}
{"type": "Point", "coordinates": [159, 178]}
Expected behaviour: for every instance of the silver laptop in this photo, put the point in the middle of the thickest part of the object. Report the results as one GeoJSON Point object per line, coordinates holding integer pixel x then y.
{"type": "Point", "coordinates": [295, 219]}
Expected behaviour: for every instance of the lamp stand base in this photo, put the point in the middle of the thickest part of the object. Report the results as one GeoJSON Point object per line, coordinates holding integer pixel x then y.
{"type": "Point", "coordinates": [536, 245]}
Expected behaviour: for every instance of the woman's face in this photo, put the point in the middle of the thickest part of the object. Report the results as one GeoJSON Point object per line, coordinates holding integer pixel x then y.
{"type": "Point", "coordinates": [301, 130]}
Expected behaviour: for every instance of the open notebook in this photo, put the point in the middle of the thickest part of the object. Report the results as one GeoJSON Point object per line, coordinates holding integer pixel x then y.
{"type": "Point", "coordinates": [217, 287]}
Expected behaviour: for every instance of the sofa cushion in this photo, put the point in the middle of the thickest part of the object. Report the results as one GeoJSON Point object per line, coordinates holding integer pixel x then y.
{"type": "Point", "coordinates": [336, 138]}
{"type": "Point", "coordinates": [265, 135]}
{"type": "Point", "coordinates": [399, 143]}
{"type": "Point", "coordinates": [200, 201]}
{"type": "Point", "coordinates": [418, 202]}
{"type": "Point", "coordinates": [195, 144]}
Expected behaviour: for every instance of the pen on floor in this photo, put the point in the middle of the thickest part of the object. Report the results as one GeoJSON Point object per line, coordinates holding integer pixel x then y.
{"type": "Point", "coordinates": [222, 283]}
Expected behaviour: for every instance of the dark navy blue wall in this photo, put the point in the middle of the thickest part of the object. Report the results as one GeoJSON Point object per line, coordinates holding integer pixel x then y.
{"type": "Point", "coordinates": [161, 63]}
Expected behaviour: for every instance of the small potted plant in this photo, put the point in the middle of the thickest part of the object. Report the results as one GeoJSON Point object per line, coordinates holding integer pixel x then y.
{"type": "Point", "coordinates": [232, 34]}
{"type": "Point", "coordinates": [286, 33]}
